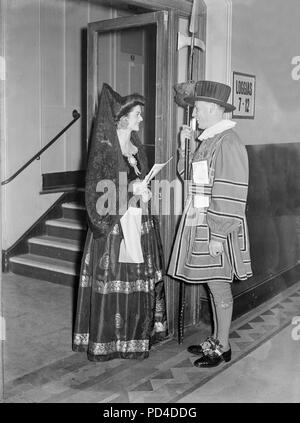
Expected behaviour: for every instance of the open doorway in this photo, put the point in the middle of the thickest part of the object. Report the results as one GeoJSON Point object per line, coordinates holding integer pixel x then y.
{"type": "Point", "coordinates": [126, 60]}
{"type": "Point", "coordinates": [129, 53]}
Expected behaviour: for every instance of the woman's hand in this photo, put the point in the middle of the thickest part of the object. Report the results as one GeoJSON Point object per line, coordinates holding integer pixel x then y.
{"type": "Point", "coordinates": [140, 188]}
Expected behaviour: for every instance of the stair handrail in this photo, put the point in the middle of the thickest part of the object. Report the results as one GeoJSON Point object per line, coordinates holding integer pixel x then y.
{"type": "Point", "coordinates": [76, 116]}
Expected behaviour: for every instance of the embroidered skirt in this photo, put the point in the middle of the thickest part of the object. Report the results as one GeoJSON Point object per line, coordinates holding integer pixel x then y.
{"type": "Point", "coordinates": [121, 307]}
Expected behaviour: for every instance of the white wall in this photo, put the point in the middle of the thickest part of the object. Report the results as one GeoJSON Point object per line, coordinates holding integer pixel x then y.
{"type": "Point", "coordinates": [259, 37]}
{"type": "Point", "coordinates": [218, 41]}
{"type": "Point", "coordinates": [265, 38]}
{"type": "Point", "coordinates": [43, 54]}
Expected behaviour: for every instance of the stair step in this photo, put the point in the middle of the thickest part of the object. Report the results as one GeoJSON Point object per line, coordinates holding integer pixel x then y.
{"type": "Point", "coordinates": [59, 248]}
{"type": "Point", "coordinates": [48, 263]}
{"type": "Point", "coordinates": [74, 210]}
{"type": "Point", "coordinates": [52, 241]}
{"type": "Point", "coordinates": [73, 205]}
{"type": "Point", "coordinates": [50, 269]}
{"type": "Point", "coordinates": [66, 228]}
{"type": "Point", "coordinates": [66, 223]}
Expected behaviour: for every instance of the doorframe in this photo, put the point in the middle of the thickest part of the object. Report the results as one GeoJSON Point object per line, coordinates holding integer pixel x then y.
{"type": "Point", "coordinates": [179, 5]}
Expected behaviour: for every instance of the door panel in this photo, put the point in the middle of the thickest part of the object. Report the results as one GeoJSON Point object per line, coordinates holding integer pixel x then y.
{"type": "Point", "coordinates": [130, 59]}
{"type": "Point", "coordinates": [122, 52]}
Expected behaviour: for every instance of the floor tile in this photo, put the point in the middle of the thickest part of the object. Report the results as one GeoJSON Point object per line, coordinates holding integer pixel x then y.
{"type": "Point", "coordinates": [41, 367]}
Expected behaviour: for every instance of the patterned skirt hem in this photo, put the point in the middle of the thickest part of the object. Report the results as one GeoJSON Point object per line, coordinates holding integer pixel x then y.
{"type": "Point", "coordinates": [111, 356]}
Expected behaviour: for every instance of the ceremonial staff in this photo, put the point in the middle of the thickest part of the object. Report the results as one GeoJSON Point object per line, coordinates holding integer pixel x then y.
{"type": "Point", "coordinates": [183, 90]}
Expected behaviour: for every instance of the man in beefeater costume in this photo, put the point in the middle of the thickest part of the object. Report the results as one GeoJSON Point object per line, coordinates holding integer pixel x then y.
{"type": "Point", "coordinates": [212, 244]}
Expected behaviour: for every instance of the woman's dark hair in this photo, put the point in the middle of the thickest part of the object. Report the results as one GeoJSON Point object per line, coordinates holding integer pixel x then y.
{"type": "Point", "coordinates": [127, 103]}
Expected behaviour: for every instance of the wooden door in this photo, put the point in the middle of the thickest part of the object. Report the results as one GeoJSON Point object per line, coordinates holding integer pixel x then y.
{"type": "Point", "coordinates": [129, 53]}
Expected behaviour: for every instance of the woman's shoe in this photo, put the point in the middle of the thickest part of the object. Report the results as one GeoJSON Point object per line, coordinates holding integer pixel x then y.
{"type": "Point", "coordinates": [213, 358]}
{"type": "Point", "coordinates": [199, 349]}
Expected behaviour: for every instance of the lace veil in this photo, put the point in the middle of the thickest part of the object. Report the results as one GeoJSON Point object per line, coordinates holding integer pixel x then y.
{"type": "Point", "coordinates": [105, 160]}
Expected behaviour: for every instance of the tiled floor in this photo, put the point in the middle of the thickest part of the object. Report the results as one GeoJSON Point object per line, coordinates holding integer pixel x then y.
{"type": "Point", "coordinates": [270, 373]}
{"type": "Point", "coordinates": [41, 367]}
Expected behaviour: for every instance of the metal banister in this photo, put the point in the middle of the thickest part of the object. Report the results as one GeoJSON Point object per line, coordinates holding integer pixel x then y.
{"type": "Point", "coordinates": [76, 116]}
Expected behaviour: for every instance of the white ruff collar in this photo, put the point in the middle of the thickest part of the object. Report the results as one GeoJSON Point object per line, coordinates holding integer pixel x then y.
{"type": "Point", "coordinates": [217, 129]}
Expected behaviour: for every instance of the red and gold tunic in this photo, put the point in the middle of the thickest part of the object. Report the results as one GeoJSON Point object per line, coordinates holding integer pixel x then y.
{"type": "Point", "coordinates": [221, 217]}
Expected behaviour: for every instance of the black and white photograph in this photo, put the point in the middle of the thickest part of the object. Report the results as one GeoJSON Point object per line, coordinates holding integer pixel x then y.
{"type": "Point", "coordinates": [150, 205]}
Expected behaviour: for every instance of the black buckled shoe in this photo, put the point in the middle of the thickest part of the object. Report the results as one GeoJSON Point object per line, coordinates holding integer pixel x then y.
{"type": "Point", "coordinates": [213, 358]}
{"type": "Point", "coordinates": [199, 349]}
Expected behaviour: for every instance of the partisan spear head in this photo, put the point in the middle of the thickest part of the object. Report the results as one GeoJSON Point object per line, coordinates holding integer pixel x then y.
{"type": "Point", "coordinates": [184, 41]}
{"type": "Point", "coordinates": [186, 89]}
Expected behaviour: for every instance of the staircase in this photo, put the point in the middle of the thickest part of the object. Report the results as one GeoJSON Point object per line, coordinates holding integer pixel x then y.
{"type": "Point", "coordinates": [55, 253]}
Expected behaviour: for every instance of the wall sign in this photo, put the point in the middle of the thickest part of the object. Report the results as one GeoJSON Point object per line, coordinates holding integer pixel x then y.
{"type": "Point", "coordinates": [243, 95]}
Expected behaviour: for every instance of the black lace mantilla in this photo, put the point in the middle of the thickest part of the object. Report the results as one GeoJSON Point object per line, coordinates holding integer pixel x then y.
{"type": "Point", "coordinates": [106, 161]}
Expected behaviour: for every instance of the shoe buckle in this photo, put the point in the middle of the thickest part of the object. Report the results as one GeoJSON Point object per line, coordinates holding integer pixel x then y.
{"type": "Point", "coordinates": [218, 351]}
{"type": "Point", "coordinates": [209, 343]}
{"type": "Point", "coordinates": [206, 346]}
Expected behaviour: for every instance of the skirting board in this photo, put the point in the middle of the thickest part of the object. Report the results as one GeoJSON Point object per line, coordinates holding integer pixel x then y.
{"type": "Point", "coordinates": [253, 297]}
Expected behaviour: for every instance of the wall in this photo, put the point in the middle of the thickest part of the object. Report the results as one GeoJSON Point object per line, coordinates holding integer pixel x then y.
{"type": "Point", "coordinates": [44, 49]}
{"type": "Point", "coordinates": [258, 37]}
{"type": "Point", "coordinates": [218, 40]}
{"type": "Point", "coordinates": [265, 38]}
{"type": "Point", "coordinates": [264, 42]}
